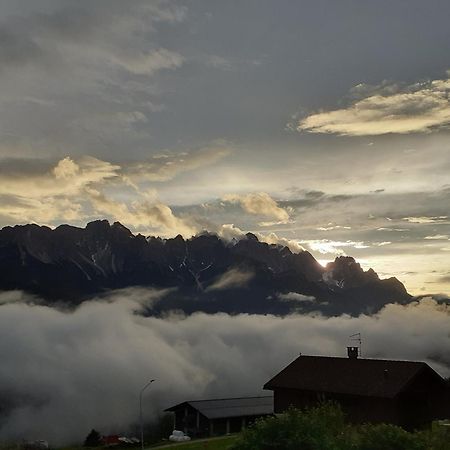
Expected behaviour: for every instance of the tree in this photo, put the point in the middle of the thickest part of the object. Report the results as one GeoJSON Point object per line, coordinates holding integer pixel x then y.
{"type": "Point", "coordinates": [93, 439]}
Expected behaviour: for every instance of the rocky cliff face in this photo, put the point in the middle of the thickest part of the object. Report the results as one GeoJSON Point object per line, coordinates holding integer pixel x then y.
{"type": "Point", "coordinates": [206, 273]}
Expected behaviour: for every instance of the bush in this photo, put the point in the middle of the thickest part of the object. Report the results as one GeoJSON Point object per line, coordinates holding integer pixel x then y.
{"type": "Point", "coordinates": [438, 438]}
{"type": "Point", "coordinates": [320, 428]}
{"type": "Point", "coordinates": [387, 437]}
{"type": "Point", "coordinates": [323, 428]}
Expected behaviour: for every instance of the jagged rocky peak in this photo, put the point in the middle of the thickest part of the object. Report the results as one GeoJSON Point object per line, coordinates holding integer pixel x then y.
{"type": "Point", "coordinates": [72, 264]}
{"type": "Point", "coordinates": [349, 273]}
{"type": "Point", "coordinates": [345, 266]}
{"type": "Point", "coordinates": [98, 226]}
{"type": "Point", "coordinates": [118, 227]}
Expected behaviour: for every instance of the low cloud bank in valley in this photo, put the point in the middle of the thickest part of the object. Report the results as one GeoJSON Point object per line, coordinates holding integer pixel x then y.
{"type": "Point", "coordinates": [63, 373]}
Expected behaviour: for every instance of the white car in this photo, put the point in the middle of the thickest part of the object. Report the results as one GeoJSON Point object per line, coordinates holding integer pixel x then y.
{"type": "Point", "coordinates": [178, 436]}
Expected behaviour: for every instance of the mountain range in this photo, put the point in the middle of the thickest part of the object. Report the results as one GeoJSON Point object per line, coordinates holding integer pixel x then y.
{"type": "Point", "coordinates": [204, 273]}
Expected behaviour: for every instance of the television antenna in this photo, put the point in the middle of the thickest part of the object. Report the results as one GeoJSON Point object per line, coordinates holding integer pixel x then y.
{"type": "Point", "coordinates": [357, 337]}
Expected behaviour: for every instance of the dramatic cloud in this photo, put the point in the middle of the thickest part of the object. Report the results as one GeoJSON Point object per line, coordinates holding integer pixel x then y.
{"type": "Point", "coordinates": [422, 107]}
{"type": "Point", "coordinates": [46, 194]}
{"type": "Point", "coordinates": [325, 246]}
{"type": "Point", "coordinates": [166, 166]}
{"type": "Point", "coordinates": [67, 177]}
{"type": "Point", "coordinates": [233, 278]}
{"type": "Point", "coordinates": [82, 77]}
{"type": "Point", "coordinates": [76, 190]}
{"type": "Point", "coordinates": [229, 232]}
{"type": "Point", "coordinates": [259, 203]}
{"type": "Point", "coordinates": [141, 215]}
{"type": "Point", "coordinates": [63, 373]}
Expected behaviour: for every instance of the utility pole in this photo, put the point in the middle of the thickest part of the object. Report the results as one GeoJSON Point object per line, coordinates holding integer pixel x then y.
{"type": "Point", "coordinates": [140, 412]}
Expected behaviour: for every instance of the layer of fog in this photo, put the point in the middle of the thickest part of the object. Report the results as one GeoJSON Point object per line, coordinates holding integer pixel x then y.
{"type": "Point", "coordinates": [63, 373]}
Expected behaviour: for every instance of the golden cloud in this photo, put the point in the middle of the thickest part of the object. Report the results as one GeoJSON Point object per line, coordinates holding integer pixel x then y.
{"type": "Point", "coordinates": [259, 203]}
{"type": "Point", "coordinates": [422, 107]}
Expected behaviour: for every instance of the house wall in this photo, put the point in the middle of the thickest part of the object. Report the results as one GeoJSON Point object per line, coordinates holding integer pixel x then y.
{"type": "Point", "coordinates": [442, 403]}
{"type": "Point", "coordinates": [423, 401]}
{"type": "Point", "coordinates": [189, 420]}
{"type": "Point", "coordinates": [231, 425]}
{"type": "Point", "coordinates": [357, 409]}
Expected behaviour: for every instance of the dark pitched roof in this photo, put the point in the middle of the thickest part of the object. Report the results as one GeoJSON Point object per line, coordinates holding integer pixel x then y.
{"type": "Point", "coordinates": [230, 407]}
{"type": "Point", "coordinates": [367, 377]}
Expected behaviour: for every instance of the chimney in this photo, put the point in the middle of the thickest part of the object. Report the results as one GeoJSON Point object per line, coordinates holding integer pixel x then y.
{"type": "Point", "coordinates": [352, 352]}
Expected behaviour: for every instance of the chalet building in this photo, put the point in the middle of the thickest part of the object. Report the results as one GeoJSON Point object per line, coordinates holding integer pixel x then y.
{"type": "Point", "coordinates": [406, 393]}
{"type": "Point", "coordinates": [220, 416]}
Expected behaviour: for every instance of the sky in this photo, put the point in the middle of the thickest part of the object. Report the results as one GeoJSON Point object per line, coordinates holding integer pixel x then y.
{"type": "Point", "coordinates": [319, 122]}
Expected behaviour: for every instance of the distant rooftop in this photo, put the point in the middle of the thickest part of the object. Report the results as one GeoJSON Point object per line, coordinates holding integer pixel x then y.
{"type": "Point", "coordinates": [230, 407]}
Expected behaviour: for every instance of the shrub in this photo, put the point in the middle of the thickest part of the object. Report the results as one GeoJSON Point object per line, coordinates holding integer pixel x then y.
{"type": "Point", "coordinates": [387, 437]}
{"type": "Point", "coordinates": [319, 428]}
{"type": "Point", "coordinates": [438, 438]}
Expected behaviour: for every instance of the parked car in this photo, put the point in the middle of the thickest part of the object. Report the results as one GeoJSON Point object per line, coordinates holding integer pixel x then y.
{"type": "Point", "coordinates": [178, 436]}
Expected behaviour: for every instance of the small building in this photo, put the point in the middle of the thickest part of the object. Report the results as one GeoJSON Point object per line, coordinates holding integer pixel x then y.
{"type": "Point", "coordinates": [406, 393]}
{"type": "Point", "coordinates": [199, 418]}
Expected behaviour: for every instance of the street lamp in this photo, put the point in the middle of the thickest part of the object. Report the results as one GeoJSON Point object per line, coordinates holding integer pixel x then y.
{"type": "Point", "coordinates": [140, 412]}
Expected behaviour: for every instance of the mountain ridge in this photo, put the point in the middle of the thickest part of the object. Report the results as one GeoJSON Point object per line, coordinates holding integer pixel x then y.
{"type": "Point", "coordinates": [209, 274]}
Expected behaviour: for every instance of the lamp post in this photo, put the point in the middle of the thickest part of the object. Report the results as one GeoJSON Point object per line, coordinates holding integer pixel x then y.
{"type": "Point", "coordinates": [140, 412]}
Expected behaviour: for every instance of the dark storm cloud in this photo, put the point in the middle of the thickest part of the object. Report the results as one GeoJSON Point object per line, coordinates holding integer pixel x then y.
{"type": "Point", "coordinates": [76, 76]}
{"type": "Point", "coordinates": [25, 167]}
{"type": "Point", "coordinates": [64, 373]}
{"type": "Point", "coordinates": [34, 38]}
{"type": "Point", "coordinates": [201, 33]}
{"type": "Point", "coordinates": [17, 49]}
{"type": "Point", "coordinates": [311, 198]}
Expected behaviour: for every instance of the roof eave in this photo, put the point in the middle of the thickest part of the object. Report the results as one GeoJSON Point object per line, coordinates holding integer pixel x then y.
{"type": "Point", "coordinates": [173, 408]}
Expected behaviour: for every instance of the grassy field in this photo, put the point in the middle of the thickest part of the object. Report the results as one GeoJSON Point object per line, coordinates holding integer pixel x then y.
{"type": "Point", "coordinates": [217, 443]}
{"type": "Point", "coordinates": [221, 443]}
